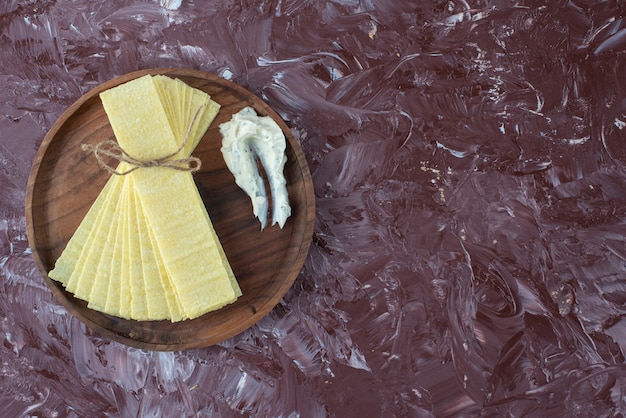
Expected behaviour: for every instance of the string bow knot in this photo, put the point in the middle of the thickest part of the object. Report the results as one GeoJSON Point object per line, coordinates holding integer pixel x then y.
{"type": "Point", "coordinates": [111, 149]}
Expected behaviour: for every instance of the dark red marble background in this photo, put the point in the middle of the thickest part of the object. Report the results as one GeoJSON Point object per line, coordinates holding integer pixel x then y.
{"type": "Point", "coordinates": [469, 165]}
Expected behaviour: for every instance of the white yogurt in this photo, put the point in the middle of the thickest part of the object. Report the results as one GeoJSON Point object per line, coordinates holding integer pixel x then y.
{"type": "Point", "coordinates": [246, 138]}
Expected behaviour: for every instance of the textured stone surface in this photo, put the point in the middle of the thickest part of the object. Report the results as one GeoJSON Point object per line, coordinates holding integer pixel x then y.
{"type": "Point", "coordinates": [469, 169]}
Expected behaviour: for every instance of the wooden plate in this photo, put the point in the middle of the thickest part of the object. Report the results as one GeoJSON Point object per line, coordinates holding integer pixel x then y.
{"type": "Point", "coordinates": [65, 180]}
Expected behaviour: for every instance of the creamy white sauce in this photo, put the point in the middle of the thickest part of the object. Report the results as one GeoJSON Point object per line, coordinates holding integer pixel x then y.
{"type": "Point", "coordinates": [246, 138]}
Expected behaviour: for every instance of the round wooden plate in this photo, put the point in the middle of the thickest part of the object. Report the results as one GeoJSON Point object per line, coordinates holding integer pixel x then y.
{"type": "Point", "coordinates": [65, 180]}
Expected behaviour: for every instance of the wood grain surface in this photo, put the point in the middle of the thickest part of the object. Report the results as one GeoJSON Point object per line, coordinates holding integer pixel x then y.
{"type": "Point", "coordinates": [65, 180]}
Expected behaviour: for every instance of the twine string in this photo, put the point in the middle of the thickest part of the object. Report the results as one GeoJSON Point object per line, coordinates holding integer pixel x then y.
{"type": "Point", "coordinates": [111, 149]}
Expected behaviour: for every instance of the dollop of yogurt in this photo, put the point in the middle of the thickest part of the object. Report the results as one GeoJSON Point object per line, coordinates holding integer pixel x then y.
{"type": "Point", "coordinates": [246, 138]}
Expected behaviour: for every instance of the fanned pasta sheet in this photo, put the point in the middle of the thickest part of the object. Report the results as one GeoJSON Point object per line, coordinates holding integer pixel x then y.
{"type": "Point", "coordinates": [157, 306]}
{"type": "Point", "coordinates": [86, 244]}
{"type": "Point", "coordinates": [100, 282]}
{"type": "Point", "coordinates": [147, 249]}
{"type": "Point", "coordinates": [66, 264]}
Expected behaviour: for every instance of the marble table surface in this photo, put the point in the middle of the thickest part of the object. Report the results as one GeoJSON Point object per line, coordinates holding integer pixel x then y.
{"type": "Point", "coordinates": [469, 166]}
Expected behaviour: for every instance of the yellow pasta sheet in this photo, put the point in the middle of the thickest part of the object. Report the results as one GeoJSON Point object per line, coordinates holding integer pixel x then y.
{"type": "Point", "coordinates": [186, 241]}
{"type": "Point", "coordinates": [147, 249]}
